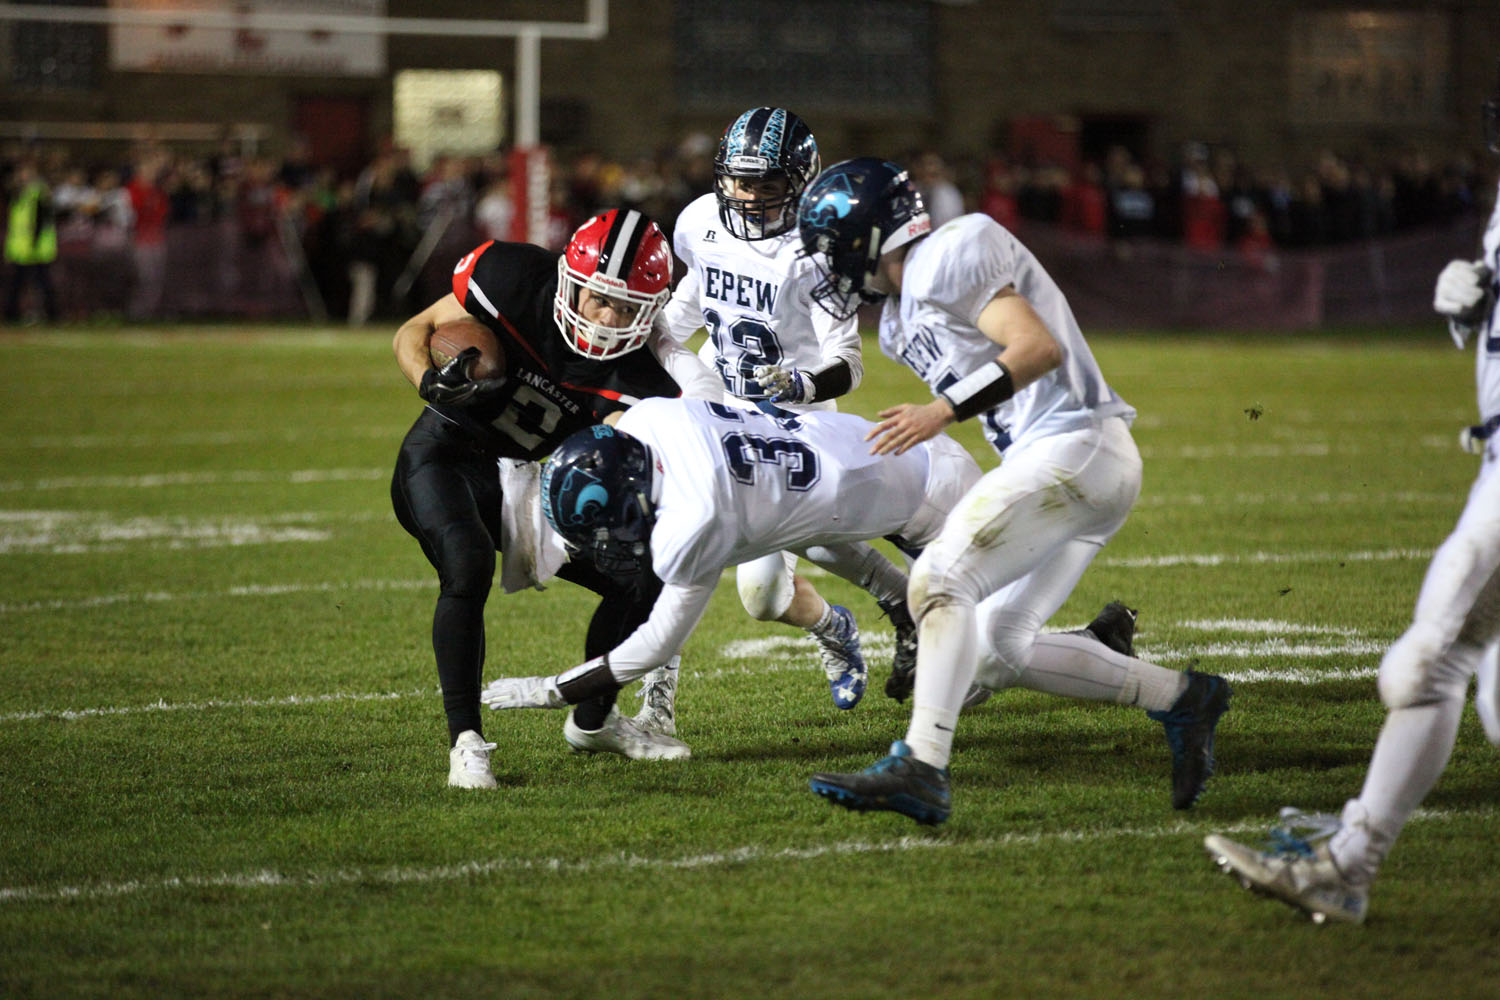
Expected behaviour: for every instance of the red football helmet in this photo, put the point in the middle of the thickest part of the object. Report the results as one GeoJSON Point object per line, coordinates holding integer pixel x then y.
{"type": "Point", "coordinates": [622, 256]}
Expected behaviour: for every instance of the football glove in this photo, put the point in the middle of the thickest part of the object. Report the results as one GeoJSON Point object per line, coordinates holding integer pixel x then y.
{"type": "Point", "coordinates": [523, 692]}
{"type": "Point", "coordinates": [1463, 294]}
{"type": "Point", "coordinates": [450, 385]}
{"type": "Point", "coordinates": [786, 385]}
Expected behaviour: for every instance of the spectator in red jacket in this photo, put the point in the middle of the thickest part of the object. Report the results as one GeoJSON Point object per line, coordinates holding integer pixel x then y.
{"type": "Point", "coordinates": [149, 244]}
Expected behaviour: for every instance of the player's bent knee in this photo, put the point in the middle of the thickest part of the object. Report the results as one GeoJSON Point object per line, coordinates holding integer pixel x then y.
{"type": "Point", "coordinates": [765, 604]}
{"type": "Point", "coordinates": [766, 586]}
{"type": "Point", "coordinates": [1416, 670]}
{"type": "Point", "coordinates": [764, 599]}
{"type": "Point", "coordinates": [465, 569]}
{"type": "Point", "coordinates": [1009, 636]}
{"type": "Point", "coordinates": [932, 584]}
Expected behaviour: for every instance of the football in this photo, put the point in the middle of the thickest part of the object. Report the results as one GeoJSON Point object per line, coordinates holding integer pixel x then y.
{"type": "Point", "coordinates": [454, 336]}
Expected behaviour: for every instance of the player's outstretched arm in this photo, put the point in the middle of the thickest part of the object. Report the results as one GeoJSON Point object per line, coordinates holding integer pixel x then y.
{"type": "Point", "coordinates": [523, 692]}
{"type": "Point", "coordinates": [906, 425]}
{"type": "Point", "coordinates": [691, 375]}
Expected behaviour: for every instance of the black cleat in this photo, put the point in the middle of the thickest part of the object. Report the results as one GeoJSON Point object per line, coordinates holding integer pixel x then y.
{"type": "Point", "coordinates": [898, 783]}
{"type": "Point", "coordinates": [1190, 726]}
{"type": "Point", "coordinates": [904, 664]}
{"type": "Point", "coordinates": [1113, 627]}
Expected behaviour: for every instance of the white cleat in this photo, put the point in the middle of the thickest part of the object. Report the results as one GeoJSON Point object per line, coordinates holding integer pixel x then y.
{"type": "Point", "coordinates": [622, 736]}
{"type": "Point", "coordinates": [658, 712]}
{"type": "Point", "coordinates": [469, 762]}
{"type": "Point", "coordinates": [1296, 873]}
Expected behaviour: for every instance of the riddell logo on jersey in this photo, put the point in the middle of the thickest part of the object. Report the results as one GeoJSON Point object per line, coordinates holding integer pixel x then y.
{"type": "Point", "coordinates": [710, 236]}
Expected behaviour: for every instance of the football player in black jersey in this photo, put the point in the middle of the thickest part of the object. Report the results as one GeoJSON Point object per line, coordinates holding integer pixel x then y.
{"type": "Point", "coordinates": [570, 328]}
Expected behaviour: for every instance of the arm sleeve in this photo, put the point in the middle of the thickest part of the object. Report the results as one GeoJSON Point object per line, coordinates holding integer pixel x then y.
{"type": "Point", "coordinates": [677, 611]}
{"type": "Point", "coordinates": [684, 310]}
{"type": "Point", "coordinates": [839, 343]}
{"type": "Point", "coordinates": [692, 376]}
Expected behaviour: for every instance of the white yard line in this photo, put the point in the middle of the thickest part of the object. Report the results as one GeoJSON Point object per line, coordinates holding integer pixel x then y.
{"type": "Point", "coordinates": [1261, 558]}
{"type": "Point", "coordinates": [74, 714]}
{"type": "Point", "coordinates": [748, 854]}
{"type": "Point", "coordinates": [181, 439]}
{"type": "Point", "coordinates": [793, 654]}
{"type": "Point", "coordinates": [166, 479]}
{"type": "Point", "coordinates": [249, 590]}
{"type": "Point", "coordinates": [1454, 497]}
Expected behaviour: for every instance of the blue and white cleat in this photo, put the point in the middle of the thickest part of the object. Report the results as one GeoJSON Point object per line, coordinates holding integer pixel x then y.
{"type": "Point", "coordinates": [1190, 724]}
{"type": "Point", "coordinates": [842, 663]}
{"type": "Point", "coordinates": [898, 783]}
{"type": "Point", "coordinates": [1296, 867]}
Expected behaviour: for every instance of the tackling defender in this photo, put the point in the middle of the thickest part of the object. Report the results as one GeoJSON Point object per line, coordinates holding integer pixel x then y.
{"type": "Point", "coordinates": [972, 312]}
{"type": "Point", "coordinates": [570, 326]}
{"type": "Point", "coordinates": [683, 488]}
{"type": "Point", "coordinates": [747, 284]}
{"type": "Point", "coordinates": [1325, 865]}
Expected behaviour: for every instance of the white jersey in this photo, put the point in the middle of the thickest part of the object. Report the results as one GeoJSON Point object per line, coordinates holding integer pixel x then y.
{"type": "Point", "coordinates": [754, 298]}
{"type": "Point", "coordinates": [949, 277]}
{"type": "Point", "coordinates": [739, 484]}
{"type": "Point", "coordinates": [1487, 373]}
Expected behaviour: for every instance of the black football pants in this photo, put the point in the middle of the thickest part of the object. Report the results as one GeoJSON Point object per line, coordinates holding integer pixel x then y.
{"type": "Point", "coordinates": [446, 494]}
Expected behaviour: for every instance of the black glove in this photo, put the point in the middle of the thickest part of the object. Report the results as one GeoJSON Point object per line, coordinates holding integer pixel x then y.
{"type": "Point", "coordinates": [450, 385]}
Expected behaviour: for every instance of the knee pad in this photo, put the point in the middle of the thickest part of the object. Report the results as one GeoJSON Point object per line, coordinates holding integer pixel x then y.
{"type": "Point", "coordinates": [765, 587]}
{"type": "Point", "coordinates": [1422, 667]}
{"type": "Point", "coordinates": [933, 583]}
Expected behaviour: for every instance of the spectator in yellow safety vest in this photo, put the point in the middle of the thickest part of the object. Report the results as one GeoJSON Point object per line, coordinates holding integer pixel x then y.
{"type": "Point", "coordinates": [30, 242]}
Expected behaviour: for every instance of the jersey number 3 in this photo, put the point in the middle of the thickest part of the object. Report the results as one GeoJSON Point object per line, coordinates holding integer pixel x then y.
{"type": "Point", "coordinates": [745, 451]}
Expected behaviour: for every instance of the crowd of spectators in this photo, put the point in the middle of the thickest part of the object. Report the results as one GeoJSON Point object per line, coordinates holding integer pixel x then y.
{"type": "Point", "coordinates": [353, 236]}
{"type": "Point", "coordinates": [1210, 201]}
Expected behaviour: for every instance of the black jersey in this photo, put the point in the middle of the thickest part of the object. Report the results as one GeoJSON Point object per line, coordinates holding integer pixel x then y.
{"type": "Point", "coordinates": [550, 390]}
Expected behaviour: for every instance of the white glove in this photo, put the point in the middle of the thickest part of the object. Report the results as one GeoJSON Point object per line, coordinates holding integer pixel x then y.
{"type": "Point", "coordinates": [523, 692]}
{"type": "Point", "coordinates": [1463, 295]}
{"type": "Point", "coordinates": [786, 385]}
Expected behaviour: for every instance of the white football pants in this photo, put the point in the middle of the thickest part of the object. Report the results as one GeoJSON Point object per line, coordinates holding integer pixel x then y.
{"type": "Point", "coordinates": [1007, 558]}
{"type": "Point", "coordinates": [1424, 678]}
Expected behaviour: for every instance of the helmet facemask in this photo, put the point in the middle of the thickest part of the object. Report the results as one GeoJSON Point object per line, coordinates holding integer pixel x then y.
{"type": "Point", "coordinates": [856, 212]}
{"type": "Point", "coordinates": [595, 340]}
{"type": "Point", "coordinates": [622, 256]}
{"type": "Point", "coordinates": [763, 144]}
{"type": "Point", "coordinates": [844, 274]}
{"type": "Point", "coordinates": [597, 494]}
{"type": "Point", "coordinates": [754, 218]}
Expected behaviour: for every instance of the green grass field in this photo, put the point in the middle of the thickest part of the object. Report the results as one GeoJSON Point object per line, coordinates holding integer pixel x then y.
{"type": "Point", "coordinates": [223, 759]}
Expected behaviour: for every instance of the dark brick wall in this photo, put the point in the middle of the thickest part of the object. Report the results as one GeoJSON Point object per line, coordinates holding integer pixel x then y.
{"type": "Point", "coordinates": [1218, 73]}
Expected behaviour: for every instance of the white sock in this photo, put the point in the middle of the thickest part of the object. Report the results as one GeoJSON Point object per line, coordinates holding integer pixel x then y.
{"type": "Point", "coordinates": [1076, 666]}
{"type": "Point", "coordinates": [820, 627]}
{"type": "Point", "coordinates": [1409, 757]}
{"type": "Point", "coordinates": [947, 660]}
